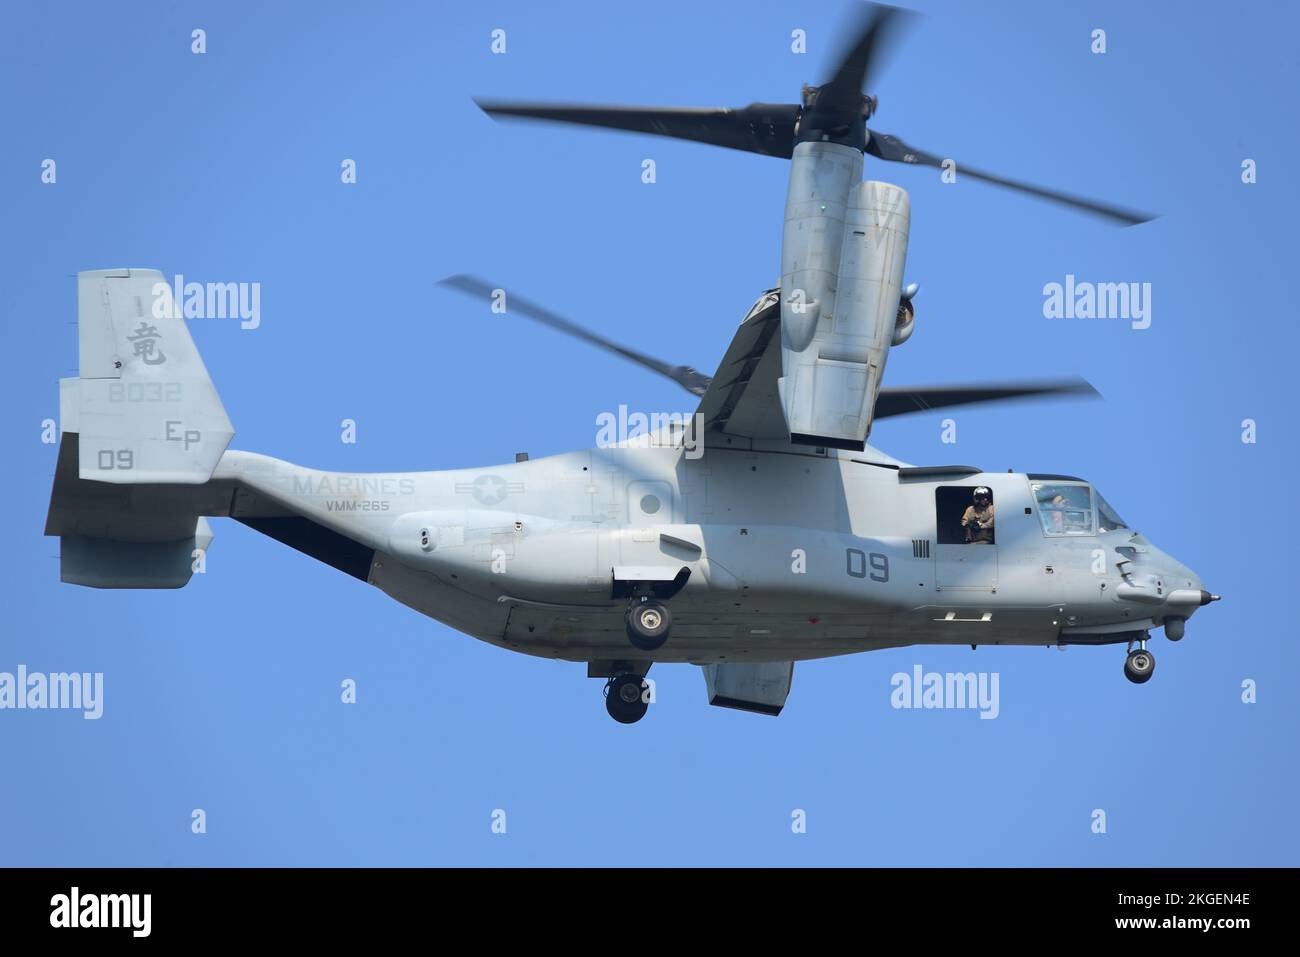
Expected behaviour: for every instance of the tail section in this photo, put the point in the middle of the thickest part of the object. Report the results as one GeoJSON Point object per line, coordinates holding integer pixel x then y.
{"type": "Point", "coordinates": [142, 431]}
{"type": "Point", "coordinates": [143, 404]}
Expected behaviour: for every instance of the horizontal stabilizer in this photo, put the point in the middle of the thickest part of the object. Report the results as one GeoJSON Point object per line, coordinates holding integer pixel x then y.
{"type": "Point", "coordinates": [108, 563]}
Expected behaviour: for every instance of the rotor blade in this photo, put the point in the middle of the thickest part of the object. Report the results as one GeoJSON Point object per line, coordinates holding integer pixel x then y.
{"type": "Point", "coordinates": [881, 27]}
{"type": "Point", "coordinates": [690, 380]}
{"type": "Point", "coordinates": [891, 148]}
{"type": "Point", "coordinates": [901, 401]}
{"type": "Point", "coordinates": [765, 128]}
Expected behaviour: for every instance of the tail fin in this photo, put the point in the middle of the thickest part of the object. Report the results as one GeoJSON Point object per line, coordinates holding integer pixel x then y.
{"type": "Point", "coordinates": [143, 403]}
{"type": "Point", "coordinates": [142, 431]}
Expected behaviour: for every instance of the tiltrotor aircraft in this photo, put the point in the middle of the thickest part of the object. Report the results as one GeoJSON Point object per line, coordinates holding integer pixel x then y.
{"type": "Point", "coordinates": [765, 532]}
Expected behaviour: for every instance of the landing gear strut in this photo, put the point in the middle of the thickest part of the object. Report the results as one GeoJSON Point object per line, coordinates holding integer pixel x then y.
{"type": "Point", "coordinates": [648, 623]}
{"type": "Point", "coordinates": [626, 698]}
{"type": "Point", "coordinates": [1140, 664]}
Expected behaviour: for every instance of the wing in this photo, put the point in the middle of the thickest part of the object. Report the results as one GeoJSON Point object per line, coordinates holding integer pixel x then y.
{"type": "Point", "coordinates": [741, 400]}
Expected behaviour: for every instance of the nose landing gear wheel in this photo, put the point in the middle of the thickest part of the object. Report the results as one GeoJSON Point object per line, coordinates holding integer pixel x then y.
{"type": "Point", "coordinates": [1139, 666]}
{"type": "Point", "coordinates": [625, 698]}
{"type": "Point", "coordinates": [648, 624]}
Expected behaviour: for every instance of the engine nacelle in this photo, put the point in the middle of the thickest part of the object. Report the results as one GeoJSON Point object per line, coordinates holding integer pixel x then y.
{"type": "Point", "coordinates": [843, 251]}
{"type": "Point", "coordinates": [904, 323]}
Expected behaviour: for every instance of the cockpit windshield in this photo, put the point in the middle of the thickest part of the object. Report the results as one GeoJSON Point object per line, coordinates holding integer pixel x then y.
{"type": "Point", "coordinates": [1066, 508]}
{"type": "Point", "coordinates": [1107, 518]}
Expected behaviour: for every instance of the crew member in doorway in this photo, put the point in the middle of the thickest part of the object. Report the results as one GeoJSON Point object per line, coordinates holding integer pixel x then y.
{"type": "Point", "coordinates": [978, 518]}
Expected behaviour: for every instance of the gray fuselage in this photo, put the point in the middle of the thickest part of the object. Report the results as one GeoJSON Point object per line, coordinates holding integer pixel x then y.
{"type": "Point", "coordinates": [794, 554]}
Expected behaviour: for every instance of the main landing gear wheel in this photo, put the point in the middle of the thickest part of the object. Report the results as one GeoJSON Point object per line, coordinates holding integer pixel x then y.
{"type": "Point", "coordinates": [625, 698]}
{"type": "Point", "coordinates": [648, 624]}
{"type": "Point", "coordinates": [1139, 666]}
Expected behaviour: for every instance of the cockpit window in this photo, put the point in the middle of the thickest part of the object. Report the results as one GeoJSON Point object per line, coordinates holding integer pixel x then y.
{"type": "Point", "coordinates": [1065, 509]}
{"type": "Point", "coordinates": [1107, 518]}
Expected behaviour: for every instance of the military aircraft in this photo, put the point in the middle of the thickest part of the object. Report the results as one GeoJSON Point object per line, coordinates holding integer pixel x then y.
{"type": "Point", "coordinates": [761, 532]}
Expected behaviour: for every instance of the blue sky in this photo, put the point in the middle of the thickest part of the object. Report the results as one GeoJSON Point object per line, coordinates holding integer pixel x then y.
{"type": "Point", "coordinates": [225, 167]}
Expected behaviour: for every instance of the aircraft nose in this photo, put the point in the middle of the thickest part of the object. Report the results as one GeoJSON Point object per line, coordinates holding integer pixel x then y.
{"type": "Point", "coordinates": [1184, 586]}
{"type": "Point", "coordinates": [1163, 586]}
{"type": "Point", "coordinates": [1181, 602]}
